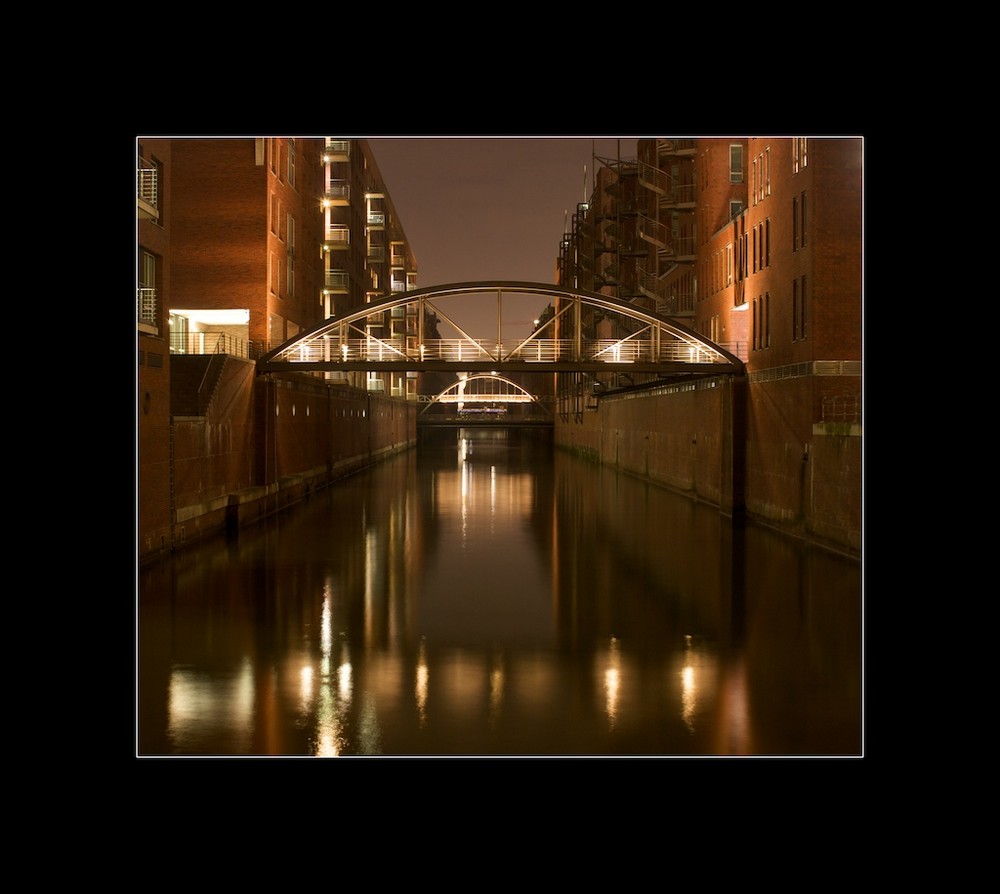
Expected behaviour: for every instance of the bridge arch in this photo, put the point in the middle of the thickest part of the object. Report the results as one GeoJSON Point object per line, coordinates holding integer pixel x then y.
{"type": "Point", "coordinates": [457, 393]}
{"type": "Point", "coordinates": [587, 331]}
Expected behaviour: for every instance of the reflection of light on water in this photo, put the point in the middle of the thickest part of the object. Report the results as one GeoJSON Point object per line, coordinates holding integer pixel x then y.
{"type": "Point", "coordinates": [200, 706]}
{"type": "Point", "coordinates": [326, 627]}
{"type": "Point", "coordinates": [373, 579]}
{"type": "Point", "coordinates": [370, 734]}
{"type": "Point", "coordinates": [496, 689]}
{"type": "Point", "coordinates": [421, 684]}
{"type": "Point", "coordinates": [305, 689]}
{"type": "Point", "coordinates": [688, 687]}
{"type": "Point", "coordinates": [345, 680]}
{"type": "Point", "coordinates": [736, 710]}
{"type": "Point", "coordinates": [612, 681]}
{"type": "Point", "coordinates": [329, 731]}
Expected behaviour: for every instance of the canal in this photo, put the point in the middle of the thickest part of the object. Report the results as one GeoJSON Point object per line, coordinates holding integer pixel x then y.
{"type": "Point", "coordinates": [488, 595]}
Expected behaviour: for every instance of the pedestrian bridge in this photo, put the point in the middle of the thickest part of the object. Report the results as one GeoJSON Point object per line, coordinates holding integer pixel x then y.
{"type": "Point", "coordinates": [579, 331]}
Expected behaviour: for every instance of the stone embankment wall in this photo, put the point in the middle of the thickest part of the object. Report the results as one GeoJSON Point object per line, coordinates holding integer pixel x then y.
{"type": "Point", "coordinates": [262, 444]}
{"type": "Point", "coordinates": [736, 446]}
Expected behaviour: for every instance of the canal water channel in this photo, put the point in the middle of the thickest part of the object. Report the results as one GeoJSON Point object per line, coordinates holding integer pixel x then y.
{"type": "Point", "coordinates": [486, 595]}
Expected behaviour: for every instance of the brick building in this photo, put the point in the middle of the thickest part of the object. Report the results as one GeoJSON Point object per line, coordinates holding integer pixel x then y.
{"type": "Point", "coordinates": [242, 243]}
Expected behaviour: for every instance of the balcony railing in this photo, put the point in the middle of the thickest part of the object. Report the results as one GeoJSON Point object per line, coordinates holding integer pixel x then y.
{"type": "Point", "coordinates": [146, 306]}
{"type": "Point", "coordinates": [338, 236]}
{"type": "Point", "coordinates": [337, 150]}
{"type": "Point", "coordinates": [147, 186]}
{"type": "Point", "coordinates": [680, 194]}
{"type": "Point", "coordinates": [338, 192]}
{"type": "Point", "coordinates": [214, 343]}
{"type": "Point", "coordinates": [337, 281]}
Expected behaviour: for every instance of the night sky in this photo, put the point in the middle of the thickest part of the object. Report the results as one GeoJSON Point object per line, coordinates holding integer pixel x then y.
{"type": "Point", "coordinates": [489, 208]}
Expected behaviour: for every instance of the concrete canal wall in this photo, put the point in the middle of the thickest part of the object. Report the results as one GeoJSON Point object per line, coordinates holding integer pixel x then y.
{"type": "Point", "coordinates": [256, 446]}
{"type": "Point", "coordinates": [748, 449]}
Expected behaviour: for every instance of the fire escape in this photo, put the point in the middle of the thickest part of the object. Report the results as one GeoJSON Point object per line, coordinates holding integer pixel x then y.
{"type": "Point", "coordinates": [668, 280]}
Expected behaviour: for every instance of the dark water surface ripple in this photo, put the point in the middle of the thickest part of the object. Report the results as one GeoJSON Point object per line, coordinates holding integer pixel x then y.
{"type": "Point", "coordinates": [485, 595]}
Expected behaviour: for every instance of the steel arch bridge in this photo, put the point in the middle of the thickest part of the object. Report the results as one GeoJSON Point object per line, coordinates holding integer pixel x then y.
{"type": "Point", "coordinates": [587, 332]}
{"type": "Point", "coordinates": [486, 388]}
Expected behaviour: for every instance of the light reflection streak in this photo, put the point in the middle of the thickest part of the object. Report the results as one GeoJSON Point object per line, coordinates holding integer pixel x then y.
{"type": "Point", "coordinates": [496, 689]}
{"type": "Point", "coordinates": [420, 689]}
{"type": "Point", "coordinates": [370, 735]}
{"type": "Point", "coordinates": [689, 689]}
{"type": "Point", "coordinates": [612, 681]}
{"type": "Point", "coordinates": [305, 689]}
{"type": "Point", "coordinates": [199, 707]}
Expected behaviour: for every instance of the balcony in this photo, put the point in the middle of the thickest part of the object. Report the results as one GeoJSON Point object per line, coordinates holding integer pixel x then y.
{"type": "Point", "coordinates": [337, 150]}
{"type": "Point", "coordinates": [147, 192]}
{"type": "Point", "coordinates": [376, 254]}
{"type": "Point", "coordinates": [337, 282]}
{"type": "Point", "coordinates": [337, 237]}
{"type": "Point", "coordinates": [376, 220]}
{"type": "Point", "coordinates": [338, 193]}
{"type": "Point", "coordinates": [680, 196]}
{"type": "Point", "coordinates": [146, 306]}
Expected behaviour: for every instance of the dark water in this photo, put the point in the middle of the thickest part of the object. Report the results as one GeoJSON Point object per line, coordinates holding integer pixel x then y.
{"type": "Point", "coordinates": [485, 595]}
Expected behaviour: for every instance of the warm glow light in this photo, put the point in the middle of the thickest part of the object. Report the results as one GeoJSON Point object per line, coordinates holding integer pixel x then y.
{"type": "Point", "coordinates": [612, 682]}
{"type": "Point", "coordinates": [420, 690]}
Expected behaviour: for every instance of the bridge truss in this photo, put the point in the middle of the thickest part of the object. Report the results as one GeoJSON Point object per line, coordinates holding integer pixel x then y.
{"type": "Point", "coordinates": [584, 332]}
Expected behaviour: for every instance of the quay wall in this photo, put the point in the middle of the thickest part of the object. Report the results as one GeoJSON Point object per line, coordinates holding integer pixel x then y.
{"type": "Point", "coordinates": [259, 445]}
{"type": "Point", "coordinates": [747, 449]}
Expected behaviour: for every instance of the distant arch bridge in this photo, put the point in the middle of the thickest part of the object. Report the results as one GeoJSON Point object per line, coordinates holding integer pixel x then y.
{"type": "Point", "coordinates": [585, 332]}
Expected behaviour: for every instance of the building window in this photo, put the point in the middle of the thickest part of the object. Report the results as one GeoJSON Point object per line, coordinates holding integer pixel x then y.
{"type": "Point", "coordinates": [795, 310]}
{"type": "Point", "coordinates": [767, 240]}
{"type": "Point", "coordinates": [802, 308]}
{"type": "Point", "coordinates": [755, 322]}
{"type": "Point", "coordinates": [755, 249]}
{"type": "Point", "coordinates": [795, 224]}
{"type": "Point", "coordinates": [735, 207]}
{"type": "Point", "coordinates": [799, 157]}
{"type": "Point", "coordinates": [146, 293]}
{"type": "Point", "coordinates": [273, 278]}
{"type": "Point", "coordinates": [767, 319]}
{"type": "Point", "coordinates": [291, 162]}
{"type": "Point", "coordinates": [735, 163]}
{"type": "Point", "coordinates": [767, 171]}
{"type": "Point", "coordinates": [290, 276]}
{"type": "Point", "coordinates": [274, 155]}
{"type": "Point", "coordinates": [802, 210]}
{"type": "Point", "coordinates": [729, 264]}
{"type": "Point", "coordinates": [275, 213]}
{"type": "Point", "coordinates": [753, 183]}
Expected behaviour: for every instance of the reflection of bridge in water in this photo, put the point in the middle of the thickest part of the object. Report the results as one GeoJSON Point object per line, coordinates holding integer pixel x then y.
{"type": "Point", "coordinates": [586, 335]}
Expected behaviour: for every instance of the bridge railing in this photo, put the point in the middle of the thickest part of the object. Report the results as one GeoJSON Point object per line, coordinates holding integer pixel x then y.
{"type": "Point", "coordinates": [541, 350]}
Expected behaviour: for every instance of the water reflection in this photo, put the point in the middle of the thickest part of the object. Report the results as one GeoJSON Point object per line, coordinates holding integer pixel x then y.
{"type": "Point", "coordinates": [485, 595]}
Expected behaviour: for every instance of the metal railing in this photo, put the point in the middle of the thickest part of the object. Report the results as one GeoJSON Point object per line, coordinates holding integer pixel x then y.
{"type": "Point", "coordinates": [841, 408]}
{"type": "Point", "coordinates": [147, 186]}
{"type": "Point", "coordinates": [540, 350]}
{"type": "Point", "coordinates": [214, 343]}
{"type": "Point", "coordinates": [146, 305]}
